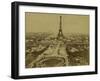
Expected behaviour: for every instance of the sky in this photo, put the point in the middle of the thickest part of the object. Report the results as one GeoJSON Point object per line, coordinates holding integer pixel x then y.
{"type": "Point", "coordinates": [48, 22]}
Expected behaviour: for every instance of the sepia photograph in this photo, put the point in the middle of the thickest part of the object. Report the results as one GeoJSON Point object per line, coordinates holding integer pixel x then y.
{"type": "Point", "coordinates": [50, 40]}
{"type": "Point", "coordinates": [56, 40]}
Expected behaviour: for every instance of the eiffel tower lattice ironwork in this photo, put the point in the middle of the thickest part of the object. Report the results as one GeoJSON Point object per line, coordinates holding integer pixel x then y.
{"type": "Point", "coordinates": [60, 33]}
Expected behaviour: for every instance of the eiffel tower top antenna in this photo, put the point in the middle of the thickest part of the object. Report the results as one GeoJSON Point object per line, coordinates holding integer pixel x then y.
{"type": "Point", "coordinates": [60, 22]}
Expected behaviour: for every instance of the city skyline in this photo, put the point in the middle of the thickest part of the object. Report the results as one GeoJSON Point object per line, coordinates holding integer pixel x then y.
{"type": "Point", "coordinates": [43, 50]}
{"type": "Point", "coordinates": [44, 22]}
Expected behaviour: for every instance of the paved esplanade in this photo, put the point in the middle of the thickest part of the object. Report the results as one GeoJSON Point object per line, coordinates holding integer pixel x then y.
{"type": "Point", "coordinates": [57, 52]}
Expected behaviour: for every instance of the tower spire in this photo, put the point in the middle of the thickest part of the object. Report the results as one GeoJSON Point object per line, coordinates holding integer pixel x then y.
{"type": "Point", "coordinates": [60, 33]}
{"type": "Point", "coordinates": [60, 22]}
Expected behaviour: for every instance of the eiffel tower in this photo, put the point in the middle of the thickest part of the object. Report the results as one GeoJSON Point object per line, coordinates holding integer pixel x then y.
{"type": "Point", "coordinates": [60, 33]}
